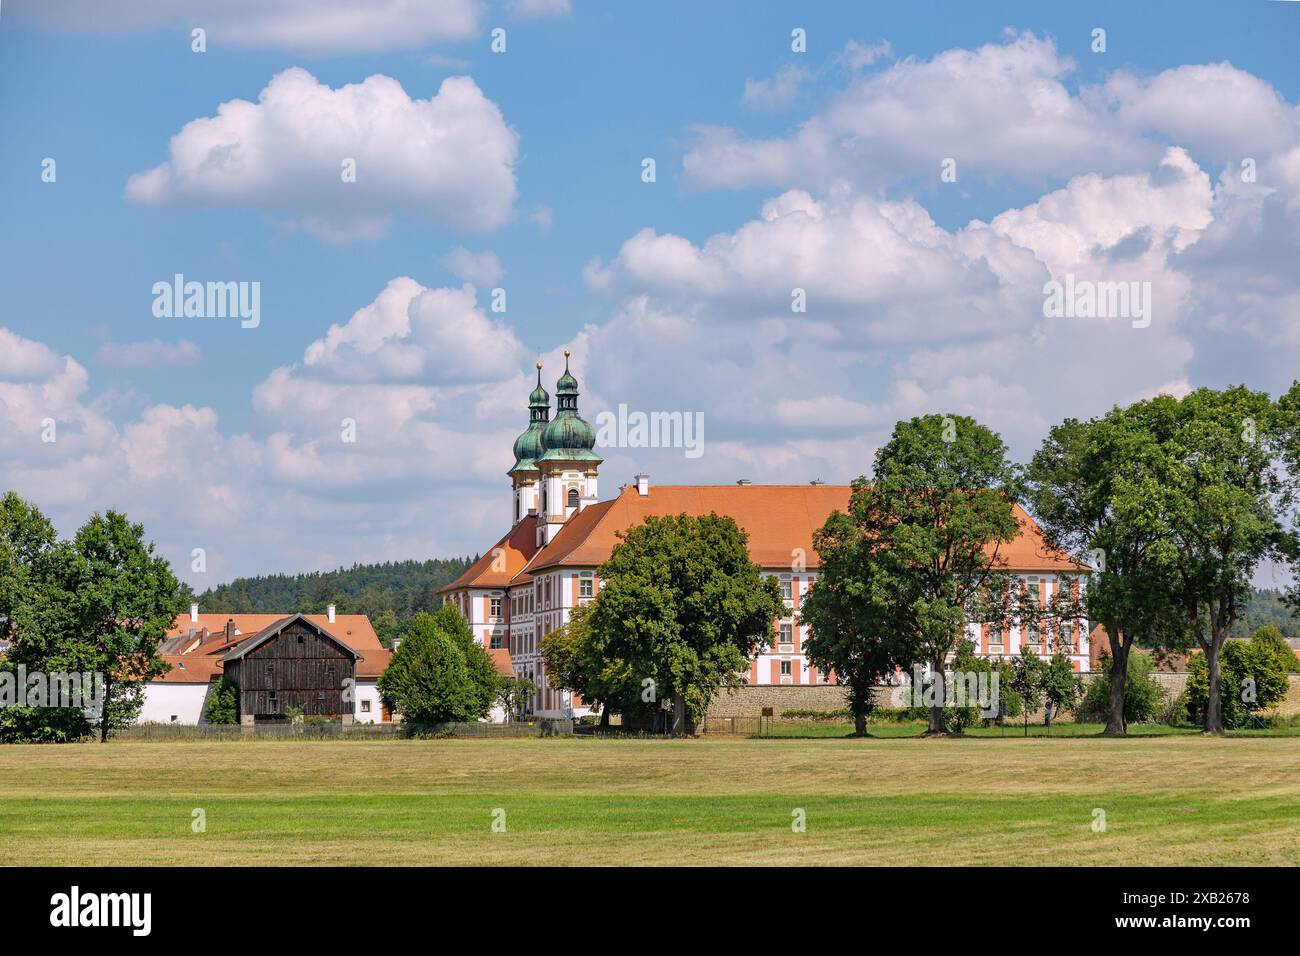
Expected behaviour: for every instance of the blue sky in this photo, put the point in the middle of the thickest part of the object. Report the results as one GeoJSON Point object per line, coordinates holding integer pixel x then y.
{"type": "Point", "coordinates": [178, 435]}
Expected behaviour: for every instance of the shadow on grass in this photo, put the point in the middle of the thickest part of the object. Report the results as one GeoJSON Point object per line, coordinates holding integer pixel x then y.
{"type": "Point", "coordinates": [896, 731]}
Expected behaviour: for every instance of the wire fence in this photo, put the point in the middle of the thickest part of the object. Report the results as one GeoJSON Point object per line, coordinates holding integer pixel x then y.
{"type": "Point", "coordinates": [735, 726]}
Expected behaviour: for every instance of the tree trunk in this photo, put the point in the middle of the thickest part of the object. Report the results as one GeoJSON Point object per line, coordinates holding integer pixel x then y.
{"type": "Point", "coordinates": [1214, 706]}
{"type": "Point", "coordinates": [1116, 725]}
{"type": "Point", "coordinates": [103, 714]}
{"type": "Point", "coordinates": [860, 719]}
{"type": "Point", "coordinates": [679, 715]}
{"type": "Point", "coordinates": [604, 715]}
{"type": "Point", "coordinates": [938, 725]}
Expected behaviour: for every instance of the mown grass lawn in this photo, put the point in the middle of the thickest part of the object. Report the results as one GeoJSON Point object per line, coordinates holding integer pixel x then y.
{"type": "Point", "coordinates": [1173, 799]}
{"type": "Point", "coordinates": [804, 727]}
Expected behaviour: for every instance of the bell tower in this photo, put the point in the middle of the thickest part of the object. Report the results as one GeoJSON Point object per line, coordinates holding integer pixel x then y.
{"type": "Point", "coordinates": [525, 475]}
{"type": "Point", "coordinates": [567, 466]}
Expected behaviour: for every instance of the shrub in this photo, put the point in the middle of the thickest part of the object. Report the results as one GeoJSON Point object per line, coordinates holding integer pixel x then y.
{"type": "Point", "coordinates": [40, 725]}
{"type": "Point", "coordinates": [1271, 638]}
{"type": "Point", "coordinates": [1144, 698]}
{"type": "Point", "coordinates": [439, 674]}
{"type": "Point", "coordinates": [223, 703]}
{"type": "Point", "coordinates": [1176, 713]}
{"type": "Point", "coordinates": [1252, 678]}
{"type": "Point", "coordinates": [842, 713]}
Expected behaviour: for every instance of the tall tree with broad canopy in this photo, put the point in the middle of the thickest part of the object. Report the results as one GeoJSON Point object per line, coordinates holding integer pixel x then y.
{"type": "Point", "coordinates": [26, 540]}
{"type": "Point", "coordinates": [1223, 496]}
{"type": "Point", "coordinates": [847, 613]}
{"type": "Point", "coordinates": [1095, 488]}
{"type": "Point", "coordinates": [684, 606]}
{"type": "Point", "coordinates": [101, 603]}
{"type": "Point", "coordinates": [917, 557]}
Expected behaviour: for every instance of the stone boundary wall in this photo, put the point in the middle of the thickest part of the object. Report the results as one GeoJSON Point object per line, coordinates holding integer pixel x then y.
{"type": "Point", "coordinates": [749, 700]}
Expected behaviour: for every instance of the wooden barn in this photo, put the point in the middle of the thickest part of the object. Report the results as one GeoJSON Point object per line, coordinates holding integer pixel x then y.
{"type": "Point", "coordinates": [293, 663]}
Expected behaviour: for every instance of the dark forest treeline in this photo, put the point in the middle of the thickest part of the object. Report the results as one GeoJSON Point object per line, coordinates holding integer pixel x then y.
{"type": "Point", "coordinates": [1266, 607]}
{"type": "Point", "coordinates": [391, 594]}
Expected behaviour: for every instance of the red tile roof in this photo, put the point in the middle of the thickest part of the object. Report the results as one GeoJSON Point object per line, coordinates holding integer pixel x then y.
{"type": "Point", "coordinates": [373, 663]}
{"type": "Point", "coordinates": [501, 658]}
{"type": "Point", "coordinates": [353, 630]}
{"type": "Point", "coordinates": [778, 518]}
{"type": "Point", "coordinates": [503, 560]}
{"type": "Point", "coordinates": [190, 669]}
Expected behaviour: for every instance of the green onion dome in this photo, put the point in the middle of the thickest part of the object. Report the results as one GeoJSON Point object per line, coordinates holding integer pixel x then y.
{"type": "Point", "coordinates": [528, 446]}
{"type": "Point", "coordinates": [567, 437]}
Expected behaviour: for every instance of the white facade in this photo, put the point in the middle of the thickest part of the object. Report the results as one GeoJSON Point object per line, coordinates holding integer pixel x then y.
{"type": "Point", "coordinates": [367, 708]}
{"type": "Point", "coordinates": [167, 702]}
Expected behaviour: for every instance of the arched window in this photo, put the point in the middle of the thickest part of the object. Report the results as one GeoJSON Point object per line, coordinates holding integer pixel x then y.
{"type": "Point", "coordinates": [573, 497]}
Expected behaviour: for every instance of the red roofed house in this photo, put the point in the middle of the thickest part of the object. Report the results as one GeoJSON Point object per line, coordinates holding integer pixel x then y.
{"type": "Point", "coordinates": [525, 586]}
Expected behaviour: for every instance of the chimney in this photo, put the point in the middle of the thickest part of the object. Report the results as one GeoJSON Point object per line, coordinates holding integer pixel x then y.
{"type": "Point", "coordinates": [230, 630]}
{"type": "Point", "coordinates": [329, 613]}
{"type": "Point", "coordinates": [194, 612]}
{"type": "Point", "coordinates": [643, 485]}
{"type": "Point", "coordinates": [743, 481]}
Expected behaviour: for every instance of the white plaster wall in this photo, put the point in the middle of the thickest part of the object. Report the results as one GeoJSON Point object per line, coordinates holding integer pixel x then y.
{"type": "Point", "coordinates": [162, 701]}
{"type": "Point", "coordinates": [367, 690]}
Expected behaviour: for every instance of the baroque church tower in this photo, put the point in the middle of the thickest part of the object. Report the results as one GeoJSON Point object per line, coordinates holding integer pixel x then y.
{"type": "Point", "coordinates": [555, 467]}
{"type": "Point", "coordinates": [528, 448]}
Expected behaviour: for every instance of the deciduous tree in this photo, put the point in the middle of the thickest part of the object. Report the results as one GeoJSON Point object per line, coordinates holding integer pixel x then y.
{"type": "Point", "coordinates": [684, 606]}
{"type": "Point", "coordinates": [1221, 492]}
{"type": "Point", "coordinates": [1095, 488]}
{"type": "Point", "coordinates": [101, 603]}
{"type": "Point", "coordinates": [927, 533]}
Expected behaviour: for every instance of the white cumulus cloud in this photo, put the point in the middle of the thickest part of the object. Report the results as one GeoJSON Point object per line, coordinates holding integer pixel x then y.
{"type": "Point", "coordinates": [448, 159]}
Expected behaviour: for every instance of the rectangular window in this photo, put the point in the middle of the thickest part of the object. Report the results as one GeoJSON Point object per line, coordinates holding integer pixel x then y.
{"type": "Point", "coordinates": [365, 707]}
{"type": "Point", "coordinates": [786, 668]}
{"type": "Point", "coordinates": [787, 632]}
{"type": "Point", "coordinates": [586, 587]}
{"type": "Point", "coordinates": [787, 591]}
{"type": "Point", "coordinates": [498, 641]}
{"type": "Point", "coordinates": [494, 608]}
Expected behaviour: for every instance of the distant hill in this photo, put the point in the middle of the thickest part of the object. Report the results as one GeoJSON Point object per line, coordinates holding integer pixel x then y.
{"type": "Point", "coordinates": [390, 594]}
{"type": "Point", "coordinates": [1266, 607]}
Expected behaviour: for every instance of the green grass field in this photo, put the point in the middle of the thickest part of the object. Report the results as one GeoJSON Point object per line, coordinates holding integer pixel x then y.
{"type": "Point", "coordinates": [916, 728]}
{"type": "Point", "coordinates": [1173, 799]}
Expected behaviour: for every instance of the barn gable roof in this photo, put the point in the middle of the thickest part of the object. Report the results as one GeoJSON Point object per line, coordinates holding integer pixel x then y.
{"type": "Point", "coordinates": [271, 631]}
